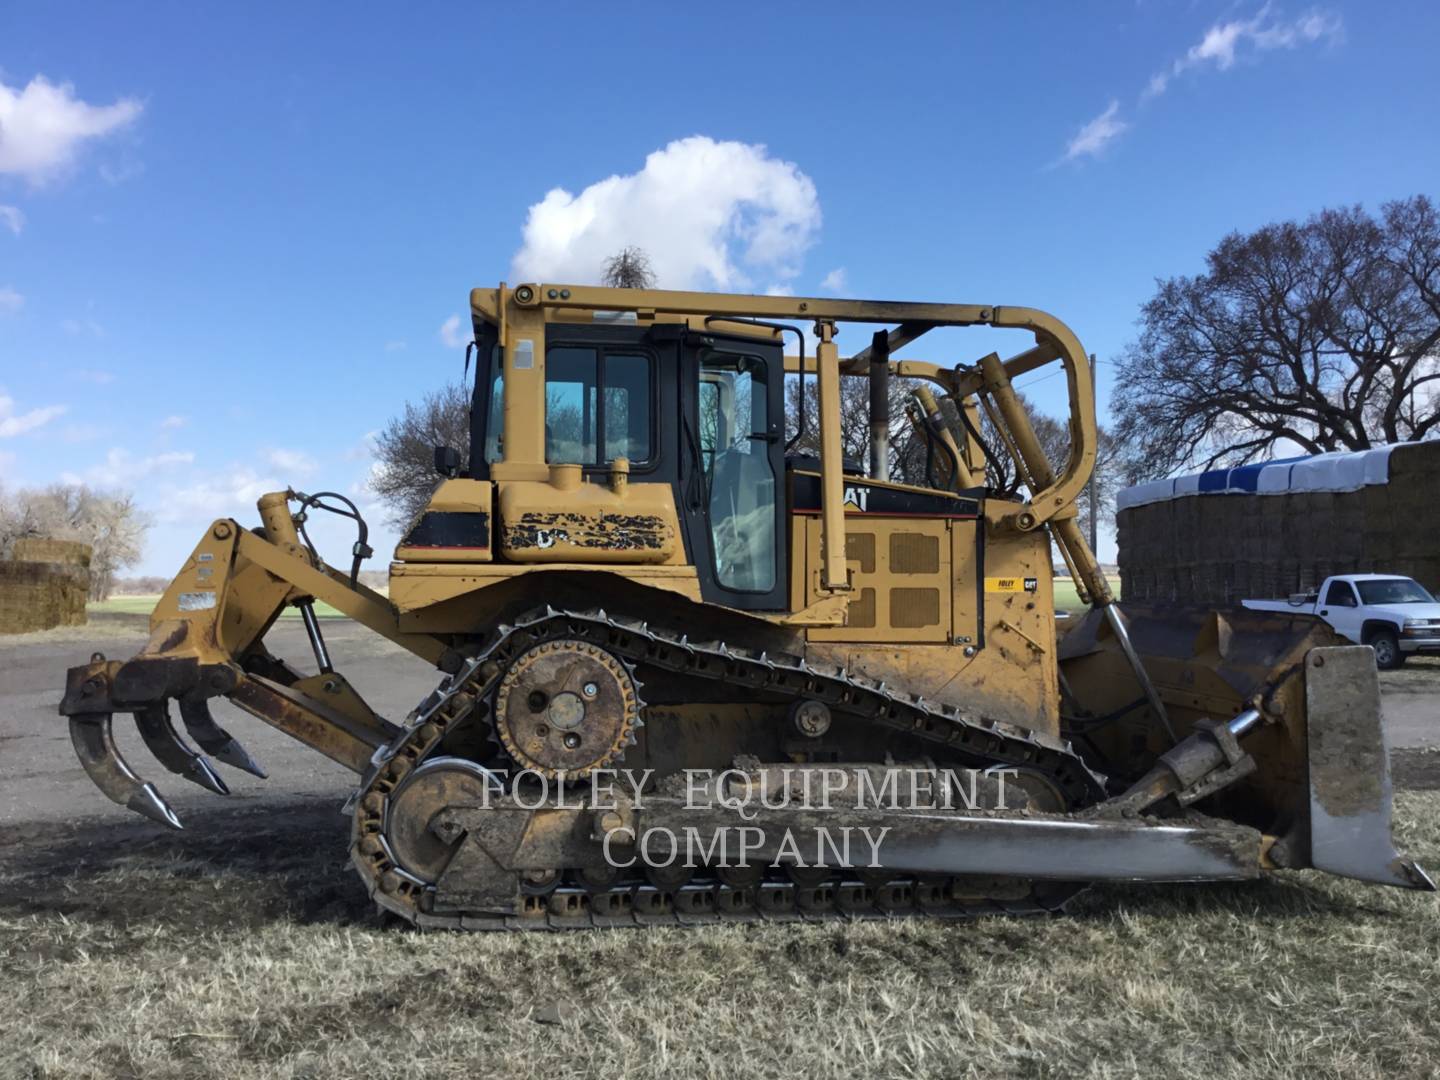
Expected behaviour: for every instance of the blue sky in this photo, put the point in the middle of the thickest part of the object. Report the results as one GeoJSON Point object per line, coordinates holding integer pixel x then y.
{"type": "Point", "coordinates": [231, 237]}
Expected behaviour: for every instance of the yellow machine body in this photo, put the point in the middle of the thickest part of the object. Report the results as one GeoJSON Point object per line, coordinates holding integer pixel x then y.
{"type": "Point", "coordinates": [629, 470]}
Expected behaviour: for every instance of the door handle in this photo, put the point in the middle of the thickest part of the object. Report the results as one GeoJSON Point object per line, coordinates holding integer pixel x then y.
{"type": "Point", "coordinates": [1325, 611]}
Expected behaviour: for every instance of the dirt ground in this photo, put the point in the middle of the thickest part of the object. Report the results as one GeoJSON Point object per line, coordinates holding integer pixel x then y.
{"type": "Point", "coordinates": [41, 781]}
{"type": "Point", "coordinates": [244, 947]}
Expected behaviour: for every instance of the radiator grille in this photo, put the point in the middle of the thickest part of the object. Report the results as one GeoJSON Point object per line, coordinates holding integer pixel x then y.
{"type": "Point", "coordinates": [860, 547]}
{"type": "Point", "coordinates": [914, 553]}
{"type": "Point", "coordinates": [862, 610]}
{"type": "Point", "coordinates": [911, 608]}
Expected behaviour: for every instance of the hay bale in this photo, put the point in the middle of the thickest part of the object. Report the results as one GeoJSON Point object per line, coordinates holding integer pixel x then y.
{"type": "Point", "coordinates": [45, 585]}
{"type": "Point", "coordinates": [1420, 461]}
{"type": "Point", "coordinates": [38, 550]}
{"type": "Point", "coordinates": [39, 596]}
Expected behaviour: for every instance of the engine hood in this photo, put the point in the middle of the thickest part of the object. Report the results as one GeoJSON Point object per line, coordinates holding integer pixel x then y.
{"type": "Point", "coordinates": [1401, 612]}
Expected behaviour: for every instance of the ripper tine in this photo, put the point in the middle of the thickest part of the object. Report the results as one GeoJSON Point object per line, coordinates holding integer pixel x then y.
{"type": "Point", "coordinates": [215, 740]}
{"type": "Point", "coordinates": [170, 750]}
{"type": "Point", "coordinates": [95, 747]}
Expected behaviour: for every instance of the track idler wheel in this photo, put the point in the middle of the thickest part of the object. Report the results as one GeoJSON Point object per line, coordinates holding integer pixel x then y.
{"type": "Point", "coordinates": [433, 788]}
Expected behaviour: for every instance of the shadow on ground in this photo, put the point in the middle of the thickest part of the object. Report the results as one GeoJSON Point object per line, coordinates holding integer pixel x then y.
{"type": "Point", "coordinates": [227, 869]}
{"type": "Point", "coordinates": [287, 862]}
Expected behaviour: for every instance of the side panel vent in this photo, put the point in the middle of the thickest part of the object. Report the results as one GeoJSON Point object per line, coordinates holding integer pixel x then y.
{"type": "Point", "coordinates": [914, 608]}
{"type": "Point", "coordinates": [914, 553]}
{"type": "Point", "coordinates": [860, 547]}
{"type": "Point", "coordinates": [862, 610]}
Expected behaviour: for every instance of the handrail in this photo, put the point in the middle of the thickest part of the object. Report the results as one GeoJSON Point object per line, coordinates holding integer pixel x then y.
{"type": "Point", "coordinates": [1052, 336]}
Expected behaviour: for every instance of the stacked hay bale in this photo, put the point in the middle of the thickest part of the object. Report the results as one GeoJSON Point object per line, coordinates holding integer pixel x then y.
{"type": "Point", "coordinates": [44, 584]}
{"type": "Point", "coordinates": [1412, 509]}
{"type": "Point", "coordinates": [1193, 547]}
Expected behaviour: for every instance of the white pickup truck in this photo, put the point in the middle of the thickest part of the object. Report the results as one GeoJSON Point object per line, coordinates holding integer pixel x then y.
{"type": "Point", "coordinates": [1395, 616]}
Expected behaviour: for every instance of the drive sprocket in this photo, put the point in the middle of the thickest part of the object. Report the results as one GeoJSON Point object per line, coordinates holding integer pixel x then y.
{"type": "Point", "coordinates": [568, 707]}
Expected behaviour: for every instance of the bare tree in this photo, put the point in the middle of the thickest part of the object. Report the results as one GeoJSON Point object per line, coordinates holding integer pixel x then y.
{"type": "Point", "coordinates": [907, 449]}
{"type": "Point", "coordinates": [1096, 500]}
{"type": "Point", "coordinates": [405, 450]}
{"type": "Point", "coordinates": [629, 270]}
{"type": "Point", "coordinates": [1318, 335]}
{"type": "Point", "coordinates": [110, 522]}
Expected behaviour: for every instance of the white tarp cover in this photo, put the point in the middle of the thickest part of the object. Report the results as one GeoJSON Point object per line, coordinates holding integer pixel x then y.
{"type": "Point", "coordinates": [1336, 471]}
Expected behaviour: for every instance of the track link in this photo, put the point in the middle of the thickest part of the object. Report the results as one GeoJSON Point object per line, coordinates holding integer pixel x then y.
{"type": "Point", "coordinates": [466, 696]}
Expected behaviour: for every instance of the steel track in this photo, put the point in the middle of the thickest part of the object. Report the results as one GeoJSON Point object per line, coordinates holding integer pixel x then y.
{"type": "Point", "coordinates": [466, 696]}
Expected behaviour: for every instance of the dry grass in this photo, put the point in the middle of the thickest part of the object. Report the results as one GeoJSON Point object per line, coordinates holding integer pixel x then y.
{"type": "Point", "coordinates": [243, 948]}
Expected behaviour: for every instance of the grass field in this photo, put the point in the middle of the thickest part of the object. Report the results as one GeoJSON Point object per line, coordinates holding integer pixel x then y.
{"type": "Point", "coordinates": [1066, 598]}
{"type": "Point", "coordinates": [244, 948]}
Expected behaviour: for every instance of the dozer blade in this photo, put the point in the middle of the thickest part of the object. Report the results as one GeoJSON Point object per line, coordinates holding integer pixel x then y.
{"type": "Point", "coordinates": [1321, 777]}
{"type": "Point", "coordinates": [95, 747]}
{"type": "Point", "coordinates": [215, 740]}
{"type": "Point", "coordinates": [1350, 789]}
{"type": "Point", "coordinates": [170, 750]}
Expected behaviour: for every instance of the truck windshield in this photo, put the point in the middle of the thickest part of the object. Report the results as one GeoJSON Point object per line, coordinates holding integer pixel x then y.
{"type": "Point", "coordinates": [1398, 590]}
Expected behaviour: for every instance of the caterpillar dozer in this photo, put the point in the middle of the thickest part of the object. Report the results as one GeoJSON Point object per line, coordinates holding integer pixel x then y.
{"type": "Point", "coordinates": [685, 657]}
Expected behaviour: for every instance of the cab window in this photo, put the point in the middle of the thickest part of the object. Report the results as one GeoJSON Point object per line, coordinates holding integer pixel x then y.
{"type": "Point", "coordinates": [597, 406]}
{"type": "Point", "coordinates": [495, 422]}
{"type": "Point", "coordinates": [1339, 594]}
{"type": "Point", "coordinates": [734, 442]}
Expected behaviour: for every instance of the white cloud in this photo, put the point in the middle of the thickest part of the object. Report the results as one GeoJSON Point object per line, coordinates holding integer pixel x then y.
{"type": "Point", "coordinates": [43, 126]}
{"type": "Point", "coordinates": [706, 213]}
{"type": "Point", "coordinates": [172, 422]}
{"type": "Point", "coordinates": [1097, 134]}
{"type": "Point", "coordinates": [834, 281]}
{"type": "Point", "coordinates": [12, 218]}
{"type": "Point", "coordinates": [12, 423]}
{"type": "Point", "coordinates": [90, 375]}
{"type": "Point", "coordinates": [292, 461]}
{"type": "Point", "coordinates": [395, 346]}
{"type": "Point", "coordinates": [453, 335]}
{"type": "Point", "coordinates": [227, 491]}
{"type": "Point", "coordinates": [82, 326]}
{"type": "Point", "coordinates": [10, 300]}
{"type": "Point", "coordinates": [122, 467]}
{"type": "Point", "coordinates": [1227, 42]}
{"type": "Point", "coordinates": [7, 462]}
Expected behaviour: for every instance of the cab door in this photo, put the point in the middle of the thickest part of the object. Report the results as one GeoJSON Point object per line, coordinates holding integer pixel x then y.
{"type": "Point", "coordinates": [733, 459]}
{"type": "Point", "coordinates": [1341, 608]}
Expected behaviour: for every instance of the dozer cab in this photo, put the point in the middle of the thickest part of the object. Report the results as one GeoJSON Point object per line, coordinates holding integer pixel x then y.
{"type": "Point", "coordinates": [693, 666]}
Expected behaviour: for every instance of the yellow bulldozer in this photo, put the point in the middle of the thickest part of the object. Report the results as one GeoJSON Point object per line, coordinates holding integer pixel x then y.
{"type": "Point", "coordinates": [685, 657]}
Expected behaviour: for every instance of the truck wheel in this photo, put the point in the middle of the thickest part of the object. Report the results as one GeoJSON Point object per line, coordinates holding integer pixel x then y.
{"type": "Point", "coordinates": [1388, 656]}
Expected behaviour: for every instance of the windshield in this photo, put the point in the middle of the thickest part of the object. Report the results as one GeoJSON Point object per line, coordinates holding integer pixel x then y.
{"type": "Point", "coordinates": [1399, 590]}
